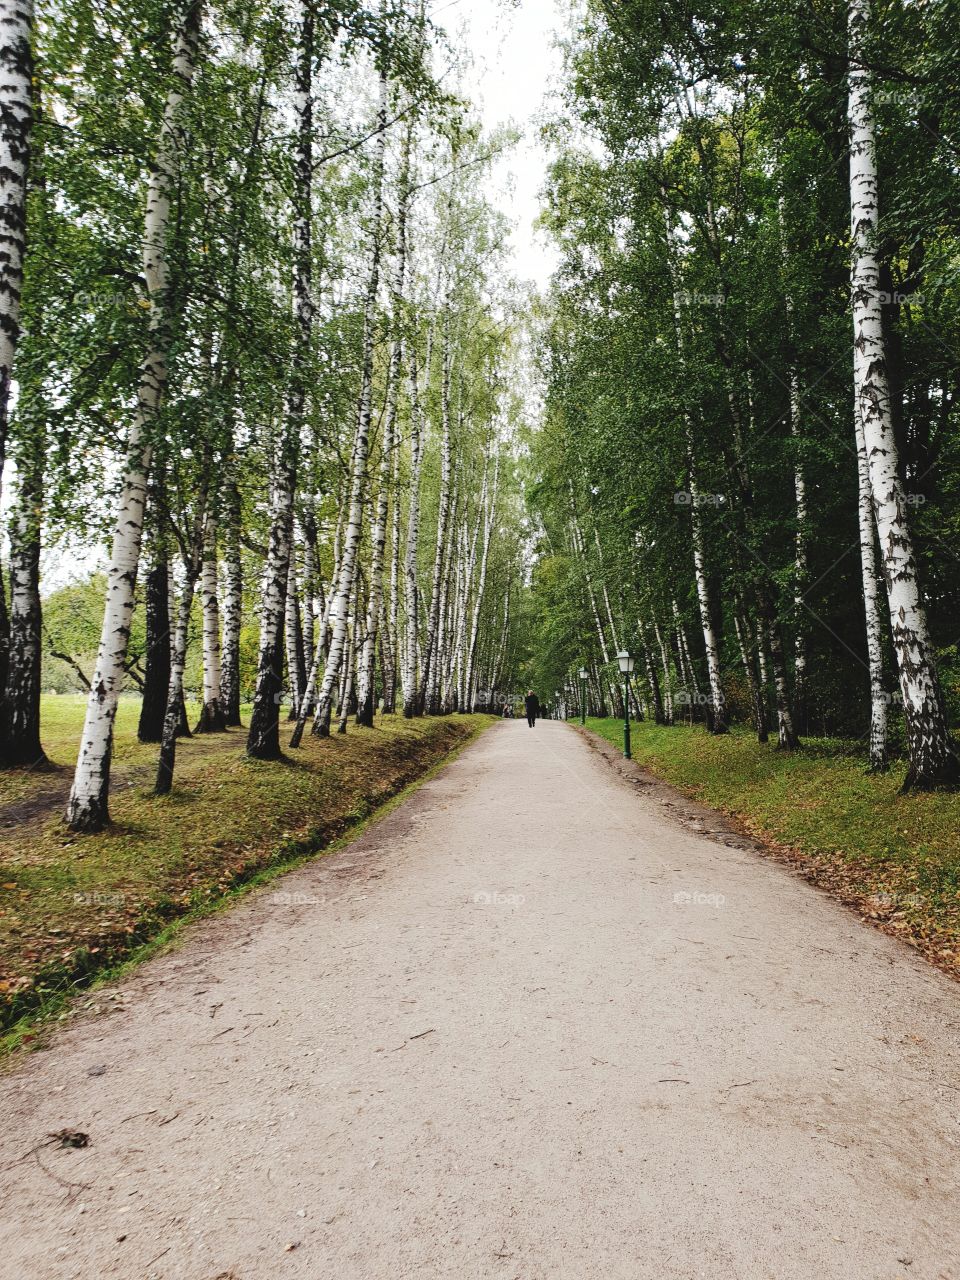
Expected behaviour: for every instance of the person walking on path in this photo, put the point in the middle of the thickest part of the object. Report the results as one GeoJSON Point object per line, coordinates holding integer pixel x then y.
{"type": "Point", "coordinates": [532, 704]}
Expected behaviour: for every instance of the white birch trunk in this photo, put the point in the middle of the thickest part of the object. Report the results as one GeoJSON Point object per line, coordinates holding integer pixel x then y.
{"type": "Point", "coordinates": [717, 705]}
{"type": "Point", "coordinates": [392, 615]}
{"type": "Point", "coordinates": [431, 647]}
{"type": "Point", "coordinates": [347, 576]}
{"type": "Point", "coordinates": [318, 662]}
{"type": "Point", "coordinates": [871, 603]}
{"type": "Point", "coordinates": [800, 496]}
{"type": "Point", "coordinates": [411, 704]}
{"type": "Point", "coordinates": [16, 123]}
{"type": "Point", "coordinates": [667, 685]}
{"type": "Point", "coordinates": [212, 719]}
{"type": "Point", "coordinates": [232, 613]}
{"type": "Point", "coordinates": [757, 691]}
{"type": "Point", "coordinates": [932, 760]}
{"type": "Point", "coordinates": [264, 736]}
{"type": "Point", "coordinates": [293, 637]}
{"type": "Point", "coordinates": [659, 711]}
{"type": "Point", "coordinates": [489, 518]}
{"type": "Point", "coordinates": [313, 607]}
{"type": "Point", "coordinates": [87, 807]}
{"type": "Point", "coordinates": [346, 684]}
{"type": "Point", "coordinates": [435, 665]}
{"type": "Point", "coordinates": [263, 741]}
{"type": "Point", "coordinates": [366, 668]}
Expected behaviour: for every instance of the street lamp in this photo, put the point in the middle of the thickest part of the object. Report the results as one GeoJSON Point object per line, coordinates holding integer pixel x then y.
{"type": "Point", "coordinates": [583, 695]}
{"type": "Point", "coordinates": [556, 705]}
{"type": "Point", "coordinates": [626, 670]}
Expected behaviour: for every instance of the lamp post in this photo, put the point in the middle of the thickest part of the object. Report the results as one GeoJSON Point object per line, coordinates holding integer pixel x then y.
{"type": "Point", "coordinates": [556, 704]}
{"type": "Point", "coordinates": [626, 668]}
{"type": "Point", "coordinates": [583, 695]}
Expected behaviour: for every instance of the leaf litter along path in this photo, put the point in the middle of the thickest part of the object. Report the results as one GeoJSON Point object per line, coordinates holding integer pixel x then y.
{"type": "Point", "coordinates": [527, 1026]}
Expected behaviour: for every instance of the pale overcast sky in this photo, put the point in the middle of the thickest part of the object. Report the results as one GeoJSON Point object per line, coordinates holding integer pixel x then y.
{"type": "Point", "coordinates": [515, 65]}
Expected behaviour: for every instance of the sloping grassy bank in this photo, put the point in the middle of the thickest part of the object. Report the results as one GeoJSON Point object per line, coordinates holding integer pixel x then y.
{"type": "Point", "coordinates": [71, 906]}
{"type": "Point", "coordinates": [895, 858]}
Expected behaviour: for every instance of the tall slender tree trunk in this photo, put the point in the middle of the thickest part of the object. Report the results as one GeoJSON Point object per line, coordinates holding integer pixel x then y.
{"type": "Point", "coordinates": [786, 734]}
{"type": "Point", "coordinates": [686, 657]}
{"type": "Point", "coordinates": [156, 683]}
{"type": "Point", "coordinates": [435, 664]}
{"type": "Point", "coordinates": [388, 675]}
{"type": "Point", "coordinates": [391, 649]}
{"type": "Point", "coordinates": [801, 574]}
{"type": "Point", "coordinates": [87, 808]}
{"type": "Point", "coordinates": [659, 710]}
{"type": "Point", "coordinates": [757, 695]}
{"type": "Point", "coordinates": [263, 742]}
{"type": "Point", "coordinates": [489, 518]}
{"type": "Point", "coordinates": [183, 727]}
{"type": "Point", "coordinates": [499, 661]}
{"type": "Point", "coordinates": [296, 661]}
{"type": "Point", "coordinates": [717, 710]}
{"type": "Point", "coordinates": [932, 759]}
{"type": "Point", "coordinates": [717, 717]}
{"type": "Point", "coordinates": [311, 608]}
{"type": "Point", "coordinates": [319, 662]}
{"type": "Point", "coordinates": [16, 125]}
{"type": "Point", "coordinates": [263, 739]}
{"type": "Point", "coordinates": [667, 686]}
{"type": "Point", "coordinates": [871, 603]}
{"type": "Point", "coordinates": [431, 647]}
{"type": "Point", "coordinates": [346, 692]}
{"type": "Point", "coordinates": [411, 701]}
{"type": "Point", "coordinates": [361, 445]}
{"type": "Point", "coordinates": [378, 537]}
{"type": "Point", "coordinates": [212, 718]}
{"type": "Point", "coordinates": [168, 746]}
{"type": "Point", "coordinates": [465, 559]}
{"type": "Point", "coordinates": [21, 703]}
{"type": "Point", "coordinates": [232, 609]}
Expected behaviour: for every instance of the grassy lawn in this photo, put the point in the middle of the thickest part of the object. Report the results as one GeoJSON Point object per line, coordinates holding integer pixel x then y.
{"type": "Point", "coordinates": [72, 905]}
{"type": "Point", "coordinates": [897, 858]}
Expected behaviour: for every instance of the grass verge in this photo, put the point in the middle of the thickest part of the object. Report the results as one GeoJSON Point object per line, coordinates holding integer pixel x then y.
{"type": "Point", "coordinates": [73, 908]}
{"type": "Point", "coordinates": [895, 858]}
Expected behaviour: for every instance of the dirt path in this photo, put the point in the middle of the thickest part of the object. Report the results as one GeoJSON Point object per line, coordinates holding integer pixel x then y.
{"type": "Point", "coordinates": [529, 1026]}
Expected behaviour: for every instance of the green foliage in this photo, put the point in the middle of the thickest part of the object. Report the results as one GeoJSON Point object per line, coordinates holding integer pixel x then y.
{"type": "Point", "coordinates": [727, 122]}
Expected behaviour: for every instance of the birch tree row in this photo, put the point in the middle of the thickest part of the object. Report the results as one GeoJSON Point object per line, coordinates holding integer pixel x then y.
{"type": "Point", "coordinates": [257, 333]}
{"type": "Point", "coordinates": [748, 472]}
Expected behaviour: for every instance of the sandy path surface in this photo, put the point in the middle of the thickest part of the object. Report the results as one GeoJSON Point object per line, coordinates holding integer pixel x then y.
{"type": "Point", "coordinates": [529, 1026]}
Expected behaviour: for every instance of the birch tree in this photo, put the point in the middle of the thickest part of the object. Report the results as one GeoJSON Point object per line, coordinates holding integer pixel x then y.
{"type": "Point", "coordinates": [87, 806]}
{"type": "Point", "coordinates": [348, 566]}
{"type": "Point", "coordinates": [263, 741]}
{"type": "Point", "coordinates": [365, 690]}
{"type": "Point", "coordinates": [16, 119]}
{"type": "Point", "coordinates": [932, 759]}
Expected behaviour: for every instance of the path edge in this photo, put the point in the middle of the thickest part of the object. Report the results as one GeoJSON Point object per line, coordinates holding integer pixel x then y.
{"type": "Point", "coordinates": [736, 833]}
{"type": "Point", "coordinates": [35, 1030]}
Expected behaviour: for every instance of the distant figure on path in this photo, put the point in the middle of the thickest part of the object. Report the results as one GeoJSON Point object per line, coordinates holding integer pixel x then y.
{"type": "Point", "coordinates": [532, 704]}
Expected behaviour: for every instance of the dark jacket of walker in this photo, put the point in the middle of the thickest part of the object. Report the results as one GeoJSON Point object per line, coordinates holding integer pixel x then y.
{"type": "Point", "coordinates": [532, 705]}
